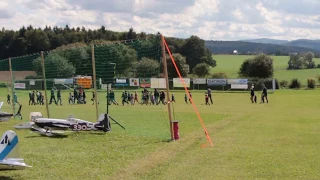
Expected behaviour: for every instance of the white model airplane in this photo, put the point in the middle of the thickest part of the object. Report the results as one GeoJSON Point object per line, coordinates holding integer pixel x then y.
{"type": "Point", "coordinates": [45, 126]}
{"type": "Point", "coordinates": [9, 152]}
{"type": "Point", "coordinates": [4, 116]}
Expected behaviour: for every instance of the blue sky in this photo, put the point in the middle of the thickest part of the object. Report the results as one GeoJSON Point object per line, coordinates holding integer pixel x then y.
{"type": "Point", "coordinates": [208, 19]}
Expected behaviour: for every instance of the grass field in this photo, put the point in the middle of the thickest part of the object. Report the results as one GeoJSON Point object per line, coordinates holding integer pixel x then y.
{"type": "Point", "coordinates": [278, 140]}
{"type": "Point", "coordinates": [230, 65]}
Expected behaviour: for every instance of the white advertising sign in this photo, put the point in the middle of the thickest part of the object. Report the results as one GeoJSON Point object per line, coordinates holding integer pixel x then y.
{"type": "Point", "coordinates": [199, 81]}
{"type": "Point", "coordinates": [159, 83]}
{"type": "Point", "coordinates": [178, 83]}
{"type": "Point", "coordinates": [134, 81]}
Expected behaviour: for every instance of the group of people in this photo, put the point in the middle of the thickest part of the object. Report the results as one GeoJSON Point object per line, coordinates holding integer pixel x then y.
{"type": "Point", "coordinates": [35, 98]}
{"type": "Point", "coordinates": [264, 95]}
{"type": "Point", "coordinates": [147, 97]}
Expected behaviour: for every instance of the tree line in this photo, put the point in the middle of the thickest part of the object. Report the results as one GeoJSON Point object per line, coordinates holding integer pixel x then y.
{"type": "Point", "coordinates": [138, 55]}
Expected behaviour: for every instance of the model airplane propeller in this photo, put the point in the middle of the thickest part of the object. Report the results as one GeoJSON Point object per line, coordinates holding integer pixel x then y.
{"type": "Point", "coordinates": [9, 152]}
{"type": "Point", "coordinates": [45, 126]}
{"type": "Point", "coordinates": [4, 116]}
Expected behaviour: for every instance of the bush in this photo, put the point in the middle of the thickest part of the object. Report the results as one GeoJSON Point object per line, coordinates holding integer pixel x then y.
{"type": "Point", "coordinates": [284, 83]}
{"type": "Point", "coordinates": [311, 83]}
{"type": "Point", "coordinates": [295, 84]}
{"type": "Point", "coordinates": [318, 66]}
{"type": "Point", "coordinates": [219, 75]}
{"type": "Point", "coordinates": [3, 84]}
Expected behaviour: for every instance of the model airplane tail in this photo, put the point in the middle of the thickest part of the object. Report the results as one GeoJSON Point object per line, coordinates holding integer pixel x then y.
{"type": "Point", "coordinates": [9, 152]}
{"type": "Point", "coordinates": [104, 122]}
{"type": "Point", "coordinates": [9, 145]}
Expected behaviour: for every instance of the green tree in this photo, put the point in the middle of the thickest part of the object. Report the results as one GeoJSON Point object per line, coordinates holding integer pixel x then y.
{"type": "Point", "coordinates": [308, 59]}
{"type": "Point", "coordinates": [55, 66]}
{"type": "Point", "coordinates": [201, 70]}
{"type": "Point", "coordinates": [77, 54]}
{"type": "Point", "coordinates": [147, 68]}
{"type": "Point", "coordinates": [181, 64]}
{"type": "Point", "coordinates": [261, 66]}
{"type": "Point", "coordinates": [122, 55]}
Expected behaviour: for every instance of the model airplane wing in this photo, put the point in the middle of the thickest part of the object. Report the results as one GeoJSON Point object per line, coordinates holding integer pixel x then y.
{"type": "Point", "coordinates": [9, 152]}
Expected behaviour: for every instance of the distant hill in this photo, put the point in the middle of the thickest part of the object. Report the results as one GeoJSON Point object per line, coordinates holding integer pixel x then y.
{"type": "Point", "coordinates": [267, 41]}
{"type": "Point", "coordinates": [307, 43]}
{"type": "Point", "coordinates": [226, 47]}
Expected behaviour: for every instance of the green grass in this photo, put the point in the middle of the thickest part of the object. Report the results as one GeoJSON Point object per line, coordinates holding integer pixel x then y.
{"type": "Point", "coordinates": [230, 65]}
{"type": "Point", "coordinates": [279, 140]}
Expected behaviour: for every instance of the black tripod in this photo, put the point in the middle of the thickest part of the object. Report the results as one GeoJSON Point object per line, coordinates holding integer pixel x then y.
{"type": "Point", "coordinates": [116, 122]}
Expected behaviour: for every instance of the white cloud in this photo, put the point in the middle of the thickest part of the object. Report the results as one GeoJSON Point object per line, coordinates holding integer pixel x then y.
{"type": "Point", "coordinates": [208, 19]}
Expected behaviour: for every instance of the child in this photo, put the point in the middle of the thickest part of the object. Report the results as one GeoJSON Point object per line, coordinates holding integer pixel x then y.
{"type": "Point", "coordinates": [152, 99]}
{"type": "Point", "coordinates": [8, 99]}
{"type": "Point", "coordinates": [186, 98]}
{"type": "Point", "coordinates": [71, 99]}
{"type": "Point", "coordinates": [172, 98]}
{"type": "Point", "coordinates": [132, 99]}
{"type": "Point", "coordinates": [136, 97]}
{"type": "Point", "coordinates": [207, 99]}
{"type": "Point", "coordinates": [124, 98]}
{"type": "Point", "coordinates": [93, 96]}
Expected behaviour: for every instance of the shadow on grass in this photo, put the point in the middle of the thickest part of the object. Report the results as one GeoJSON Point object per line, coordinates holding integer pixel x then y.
{"type": "Point", "coordinates": [6, 178]}
{"type": "Point", "coordinates": [148, 143]}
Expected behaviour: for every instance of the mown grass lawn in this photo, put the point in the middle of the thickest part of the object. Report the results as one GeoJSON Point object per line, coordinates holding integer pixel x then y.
{"type": "Point", "coordinates": [279, 140]}
{"type": "Point", "coordinates": [230, 65]}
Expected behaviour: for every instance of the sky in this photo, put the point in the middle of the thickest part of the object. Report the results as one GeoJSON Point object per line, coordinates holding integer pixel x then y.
{"type": "Point", "coordinates": [207, 19]}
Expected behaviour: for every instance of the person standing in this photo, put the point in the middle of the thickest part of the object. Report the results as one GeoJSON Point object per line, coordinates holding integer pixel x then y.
{"type": "Point", "coordinates": [209, 95]}
{"type": "Point", "coordinates": [59, 97]}
{"type": "Point", "coordinates": [253, 97]}
{"type": "Point", "coordinates": [53, 97]}
{"type": "Point", "coordinates": [8, 99]}
{"type": "Point", "coordinates": [265, 94]}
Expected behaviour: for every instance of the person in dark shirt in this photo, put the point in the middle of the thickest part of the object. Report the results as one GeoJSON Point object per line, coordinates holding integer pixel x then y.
{"type": "Point", "coordinates": [59, 97]}
{"type": "Point", "coordinates": [253, 97]}
{"type": "Point", "coordinates": [156, 96]}
{"type": "Point", "coordinates": [209, 95]}
{"type": "Point", "coordinates": [8, 99]}
{"type": "Point", "coordinates": [93, 98]}
{"type": "Point", "coordinates": [53, 97]}
{"type": "Point", "coordinates": [264, 94]}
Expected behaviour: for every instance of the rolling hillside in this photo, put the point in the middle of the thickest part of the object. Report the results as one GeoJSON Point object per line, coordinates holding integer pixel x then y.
{"type": "Point", "coordinates": [226, 47]}
{"type": "Point", "coordinates": [306, 43]}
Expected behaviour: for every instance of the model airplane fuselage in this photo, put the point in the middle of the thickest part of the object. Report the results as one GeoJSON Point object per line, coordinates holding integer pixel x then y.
{"type": "Point", "coordinates": [9, 152]}
{"type": "Point", "coordinates": [46, 125]}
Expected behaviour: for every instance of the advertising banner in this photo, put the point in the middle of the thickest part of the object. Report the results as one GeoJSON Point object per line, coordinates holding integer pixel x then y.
{"type": "Point", "coordinates": [237, 81]}
{"type": "Point", "coordinates": [159, 83]}
{"type": "Point", "coordinates": [199, 81]}
{"type": "Point", "coordinates": [216, 82]}
{"type": "Point", "coordinates": [178, 83]}
{"type": "Point", "coordinates": [145, 82]}
{"type": "Point", "coordinates": [134, 81]}
{"type": "Point", "coordinates": [63, 81]}
{"type": "Point", "coordinates": [20, 85]}
{"type": "Point", "coordinates": [121, 82]}
{"type": "Point", "coordinates": [32, 82]}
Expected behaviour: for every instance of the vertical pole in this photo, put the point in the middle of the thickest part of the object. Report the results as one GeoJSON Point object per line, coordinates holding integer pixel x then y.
{"type": "Point", "coordinates": [45, 83]}
{"type": "Point", "coordinates": [164, 61]}
{"type": "Point", "coordinates": [12, 86]}
{"type": "Point", "coordinates": [94, 80]}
